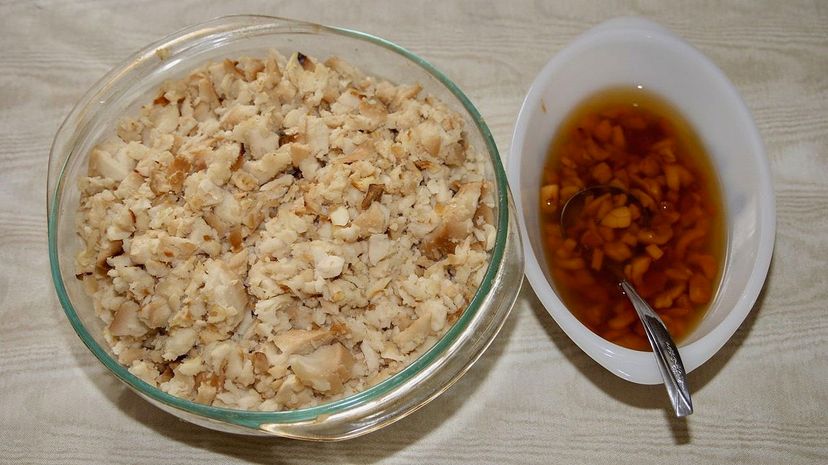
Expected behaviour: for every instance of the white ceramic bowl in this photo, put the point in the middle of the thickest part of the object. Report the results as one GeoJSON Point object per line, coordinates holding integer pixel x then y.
{"type": "Point", "coordinates": [633, 51]}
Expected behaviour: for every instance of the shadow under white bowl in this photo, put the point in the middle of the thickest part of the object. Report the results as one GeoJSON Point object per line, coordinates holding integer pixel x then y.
{"type": "Point", "coordinates": [633, 51]}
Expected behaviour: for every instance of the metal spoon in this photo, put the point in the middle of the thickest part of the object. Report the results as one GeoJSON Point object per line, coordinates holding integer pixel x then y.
{"type": "Point", "coordinates": [665, 351]}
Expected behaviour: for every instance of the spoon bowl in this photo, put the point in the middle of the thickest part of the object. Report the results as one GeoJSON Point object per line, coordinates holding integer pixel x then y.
{"type": "Point", "coordinates": [664, 348]}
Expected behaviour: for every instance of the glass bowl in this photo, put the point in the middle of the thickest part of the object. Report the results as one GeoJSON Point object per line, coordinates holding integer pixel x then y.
{"type": "Point", "coordinates": [133, 83]}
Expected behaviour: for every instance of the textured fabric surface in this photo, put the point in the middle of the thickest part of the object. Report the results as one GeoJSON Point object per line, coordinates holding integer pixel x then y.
{"type": "Point", "coordinates": [534, 397]}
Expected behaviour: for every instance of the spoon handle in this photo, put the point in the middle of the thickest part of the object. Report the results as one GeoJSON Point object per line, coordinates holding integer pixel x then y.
{"type": "Point", "coordinates": [666, 354]}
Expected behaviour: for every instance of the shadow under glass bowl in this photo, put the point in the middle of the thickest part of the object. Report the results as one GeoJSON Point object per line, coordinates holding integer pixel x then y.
{"type": "Point", "coordinates": [133, 83]}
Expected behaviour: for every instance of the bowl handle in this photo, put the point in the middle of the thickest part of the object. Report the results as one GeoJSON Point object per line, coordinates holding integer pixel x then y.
{"type": "Point", "coordinates": [631, 22]}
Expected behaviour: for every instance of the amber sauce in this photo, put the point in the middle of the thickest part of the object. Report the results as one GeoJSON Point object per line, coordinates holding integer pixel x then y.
{"type": "Point", "coordinates": [665, 234]}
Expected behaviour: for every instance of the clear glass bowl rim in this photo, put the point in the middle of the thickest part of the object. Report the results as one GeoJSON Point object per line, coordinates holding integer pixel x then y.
{"type": "Point", "coordinates": [247, 418]}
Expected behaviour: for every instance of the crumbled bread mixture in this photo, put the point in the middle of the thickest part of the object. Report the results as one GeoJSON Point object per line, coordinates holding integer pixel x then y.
{"type": "Point", "coordinates": [274, 233]}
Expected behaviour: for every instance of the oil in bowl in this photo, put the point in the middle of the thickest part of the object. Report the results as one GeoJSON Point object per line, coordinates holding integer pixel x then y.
{"type": "Point", "coordinates": [662, 227]}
